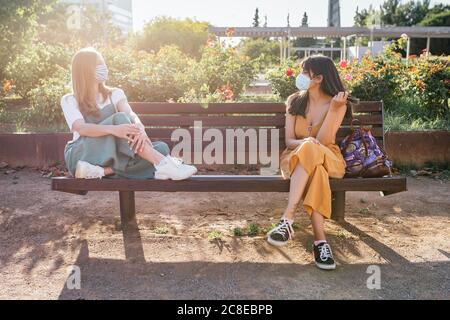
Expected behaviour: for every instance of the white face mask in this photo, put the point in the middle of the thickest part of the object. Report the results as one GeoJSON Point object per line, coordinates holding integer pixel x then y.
{"type": "Point", "coordinates": [101, 72]}
{"type": "Point", "coordinates": [302, 82]}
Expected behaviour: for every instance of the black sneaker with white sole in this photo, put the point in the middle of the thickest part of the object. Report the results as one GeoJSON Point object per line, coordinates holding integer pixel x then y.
{"type": "Point", "coordinates": [323, 256]}
{"type": "Point", "coordinates": [281, 234]}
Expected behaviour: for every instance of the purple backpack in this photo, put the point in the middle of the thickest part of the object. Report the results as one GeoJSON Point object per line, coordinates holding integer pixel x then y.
{"type": "Point", "coordinates": [363, 156]}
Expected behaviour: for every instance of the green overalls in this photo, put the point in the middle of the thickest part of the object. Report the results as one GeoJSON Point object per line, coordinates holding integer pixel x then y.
{"type": "Point", "coordinates": [111, 151]}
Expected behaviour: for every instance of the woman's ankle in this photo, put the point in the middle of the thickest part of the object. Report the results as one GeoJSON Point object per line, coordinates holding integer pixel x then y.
{"type": "Point", "coordinates": [289, 215]}
{"type": "Point", "coordinates": [108, 171]}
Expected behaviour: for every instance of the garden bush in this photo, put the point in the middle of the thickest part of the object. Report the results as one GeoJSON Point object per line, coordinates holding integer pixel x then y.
{"type": "Point", "coordinates": [39, 61]}
{"type": "Point", "coordinates": [45, 100]}
{"type": "Point", "coordinates": [220, 69]}
{"type": "Point", "coordinates": [418, 88]}
{"type": "Point", "coordinates": [282, 78]}
{"type": "Point", "coordinates": [148, 76]}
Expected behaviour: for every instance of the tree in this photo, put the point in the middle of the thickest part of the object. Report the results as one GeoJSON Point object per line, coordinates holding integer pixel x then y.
{"type": "Point", "coordinates": [393, 12]}
{"type": "Point", "coordinates": [256, 19]}
{"type": "Point", "coordinates": [436, 17]}
{"type": "Point", "coordinates": [18, 27]}
{"type": "Point", "coordinates": [267, 51]}
{"type": "Point", "coordinates": [188, 35]}
{"type": "Point", "coordinates": [389, 12]}
{"type": "Point", "coordinates": [411, 13]}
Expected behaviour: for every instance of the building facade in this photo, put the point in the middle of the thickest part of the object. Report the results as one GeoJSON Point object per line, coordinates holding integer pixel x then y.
{"type": "Point", "coordinates": [121, 11]}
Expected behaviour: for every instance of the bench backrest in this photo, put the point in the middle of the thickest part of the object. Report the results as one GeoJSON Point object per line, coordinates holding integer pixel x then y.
{"type": "Point", "coordinates": [162, 118]}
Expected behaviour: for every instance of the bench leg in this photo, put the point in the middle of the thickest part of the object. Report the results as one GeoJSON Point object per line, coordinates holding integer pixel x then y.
{"type": "Point", "coordinates": [127, 207]}
{"type": "Point", "coordinates": [338, 206]}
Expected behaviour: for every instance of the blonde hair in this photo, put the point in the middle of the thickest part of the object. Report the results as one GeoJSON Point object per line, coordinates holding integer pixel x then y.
{"type": "Point", "coordinates": [84, 82]}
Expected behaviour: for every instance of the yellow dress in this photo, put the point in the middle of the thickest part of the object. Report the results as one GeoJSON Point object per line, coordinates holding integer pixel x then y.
{"type": "Point", "coordinates": [319, 161]}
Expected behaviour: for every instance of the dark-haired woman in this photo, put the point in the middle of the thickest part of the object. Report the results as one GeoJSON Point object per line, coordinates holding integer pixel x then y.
{"type": "Point", "coordinates": [313, 117]}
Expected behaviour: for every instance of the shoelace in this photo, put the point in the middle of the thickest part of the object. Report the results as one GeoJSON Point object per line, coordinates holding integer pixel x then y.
{"type": "Point", "coordinates": [178, 161]}
{"type": "Point", "coordinates": [325, 252]}
{"type": "Point", "coordinates": [284, 228]}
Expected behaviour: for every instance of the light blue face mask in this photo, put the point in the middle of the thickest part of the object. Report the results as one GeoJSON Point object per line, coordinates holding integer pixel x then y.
{"type": "Point", "coordinates": [302, 82]}
{"type": "Point", "coordinates": [101, 72]}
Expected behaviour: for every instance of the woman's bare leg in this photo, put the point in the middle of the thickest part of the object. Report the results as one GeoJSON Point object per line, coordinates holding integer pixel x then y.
{"type": "Point", "coordinates": [299, 178]}
{"type": "Point", "coordinates": [317, 221]}
{"type": "Point", "coordinates": [108, 171]}
{"type": "Point", "coordinates": [150, 154]}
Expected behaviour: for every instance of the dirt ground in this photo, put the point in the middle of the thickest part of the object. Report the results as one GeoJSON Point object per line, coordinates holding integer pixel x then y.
{"type": "Point", "coordinates": [183, 246]}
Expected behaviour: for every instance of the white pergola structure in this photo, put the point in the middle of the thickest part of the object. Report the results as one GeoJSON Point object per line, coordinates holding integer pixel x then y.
{"type": "Point", "coordinates": [287, 33]}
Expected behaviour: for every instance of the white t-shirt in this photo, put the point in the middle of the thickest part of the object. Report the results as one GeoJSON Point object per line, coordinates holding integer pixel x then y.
{"type": "Point", "coordinates": [72, 113]}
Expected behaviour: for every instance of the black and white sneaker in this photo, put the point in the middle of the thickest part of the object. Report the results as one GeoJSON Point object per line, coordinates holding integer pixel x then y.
{"type": "Point", "coordinates": [281, 234]}
{"type": "Point", "coordinates": [323, 256]}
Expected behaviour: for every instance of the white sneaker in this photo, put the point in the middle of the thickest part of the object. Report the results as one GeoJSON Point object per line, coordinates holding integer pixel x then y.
{"type": "Point", "coordinates": [173, 168]}
{"type": "Point", "coordinates": [85, 170]}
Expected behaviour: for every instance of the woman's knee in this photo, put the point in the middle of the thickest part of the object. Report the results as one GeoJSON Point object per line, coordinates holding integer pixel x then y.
{"type": "Point", "coordinates": [308, 146]}
{"type": "Point", "coordinates": [121, 118]}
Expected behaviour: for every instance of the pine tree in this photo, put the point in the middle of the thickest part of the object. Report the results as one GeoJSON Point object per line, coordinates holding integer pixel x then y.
{"type": "Point", "coordinates": [256, 18]}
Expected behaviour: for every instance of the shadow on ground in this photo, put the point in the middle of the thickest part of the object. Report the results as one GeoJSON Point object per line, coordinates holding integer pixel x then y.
{"type": "Point", "coordinates": [135, 278]}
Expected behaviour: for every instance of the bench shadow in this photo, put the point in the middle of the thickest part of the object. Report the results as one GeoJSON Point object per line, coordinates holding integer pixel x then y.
{"type": "Point", "coordinates": [136, 278]}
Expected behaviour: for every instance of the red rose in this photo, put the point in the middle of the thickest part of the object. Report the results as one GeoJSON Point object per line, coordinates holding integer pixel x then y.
{"type": "Point", "coordinates": [343, 64]}
{"type": "Point", "coordinates": [289, 72]}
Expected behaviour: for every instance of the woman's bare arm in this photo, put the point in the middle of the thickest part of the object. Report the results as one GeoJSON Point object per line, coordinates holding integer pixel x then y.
{"type": "Point", "coordinates": [100, 130]}
{"type": "Point", "coordinates": [91, 129]}
{"type": "Point", "coordinates": [124, 106]}
{"type": "Point", "coordinates": [290, 140]}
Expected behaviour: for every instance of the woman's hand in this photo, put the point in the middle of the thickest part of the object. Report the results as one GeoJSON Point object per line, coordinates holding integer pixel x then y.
{"type": "Point", "coordinates": [339, 100]}
{"type": "Point", "coordinates": [125, 131]}
{"type": "Point", "coordinates": [138, 141]}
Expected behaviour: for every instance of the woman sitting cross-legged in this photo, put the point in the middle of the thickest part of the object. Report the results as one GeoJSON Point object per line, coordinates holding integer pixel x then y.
{"type": "Point", "coordinates": [313, 117]}
{"type": "Point", "coordinates": [108, 137]}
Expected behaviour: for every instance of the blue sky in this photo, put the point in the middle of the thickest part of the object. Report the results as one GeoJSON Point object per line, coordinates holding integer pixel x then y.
{"type": "Point", "coordinates": [239, 13]}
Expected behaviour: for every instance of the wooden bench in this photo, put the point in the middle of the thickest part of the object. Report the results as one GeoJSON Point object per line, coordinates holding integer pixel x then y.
{"type": "Point", "coordinates": [162, 118]}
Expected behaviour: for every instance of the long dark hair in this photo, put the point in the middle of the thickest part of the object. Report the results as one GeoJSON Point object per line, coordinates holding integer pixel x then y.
{"type": "Point", "coordinates": [331, 85]}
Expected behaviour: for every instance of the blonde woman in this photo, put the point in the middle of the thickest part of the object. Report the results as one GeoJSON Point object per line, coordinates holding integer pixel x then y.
{"type": "Point", "coordinates": [313, 117]}
{"type": "Point", "coordinates": [108, 137]}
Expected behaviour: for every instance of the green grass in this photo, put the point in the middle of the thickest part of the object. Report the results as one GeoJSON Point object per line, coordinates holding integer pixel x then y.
{"type": "Point", "coordinates": [161, 230]}
{"type": "Point", "coordinates": [406, 114]}
{"type": "Point", "coordinates": [238, 232]}
{"type": "Point", "coordinates": [259, 98]}
{"type": "Point", "coordinates": [215, 235]}
{"type": "Point", "coordinates": [252, 229]}
{"type": "Point", "coordinates": [398, 122]}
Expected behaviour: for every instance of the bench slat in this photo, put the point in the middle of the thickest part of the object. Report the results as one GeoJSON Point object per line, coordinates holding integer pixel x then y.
{"type": "Point", "coordinates": [222, 183]}
{"type": "Point", "coordinates": [166, 133]}
{"type": "Point", "coordinates": [239, 121]}
{"type": "Point", "coordinates": [212, 108]}
{"type": "Point", "coordinates": [214, 121]}
{"type": "Point", "coordinates": [205, 144]}
{"type": "Point", "coordinates": [368, 106]}
{"type": "Point", "coordinates": [226, 108]}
